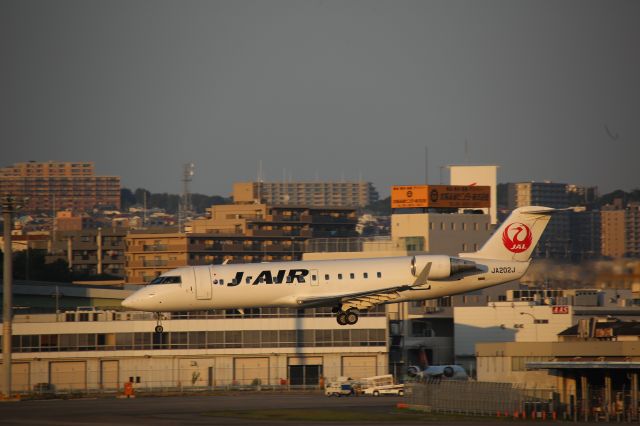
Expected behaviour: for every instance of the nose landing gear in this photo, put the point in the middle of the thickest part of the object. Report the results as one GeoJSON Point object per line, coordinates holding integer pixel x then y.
{"type": "Point", "coordinates": [159, 329]}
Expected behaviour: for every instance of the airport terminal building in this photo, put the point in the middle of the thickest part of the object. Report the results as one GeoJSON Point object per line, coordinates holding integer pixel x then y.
{"type": "Point", "coordinates": [92, 350]}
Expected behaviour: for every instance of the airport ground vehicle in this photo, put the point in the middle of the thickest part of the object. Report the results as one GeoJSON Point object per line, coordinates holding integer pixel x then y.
{"type": "Point", "coordinates": [338, 389]}
{"type": "Point", "coordinates": [381, 385]}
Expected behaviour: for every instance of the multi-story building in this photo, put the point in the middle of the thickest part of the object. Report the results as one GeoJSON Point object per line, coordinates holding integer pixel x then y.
{"type": "Point", "coordinates": [240, 233]}
{"type": "Point", "coordinates": [313, 194]}
{"type": "Point", "coordinates": [632, 230]}
{"type": "Point", "coordinates": [548, 194]}
{"type": "Point", "coordinates": [556, 240]}
{"type": "Point", "coordinates": [59, 186]}
{"type": "Point", "coordinates": [93, 350]}
{"type": "Point", "coordinates": [613, 231]}
{"type": "Point", "coordinates": [148, 254]}
{"type": "Point", "coordinates": [586, 242]}
{"type": "Point", "coordinates": [90, 251]}
{"type": "Point", "coordinates": [534, 315]}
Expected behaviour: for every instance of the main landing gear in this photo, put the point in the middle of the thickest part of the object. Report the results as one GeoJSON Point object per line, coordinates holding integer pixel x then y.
{"type": "Point", "coordinates": [348, 317]}
{"type": "Point", "coordinates": [159, 328]}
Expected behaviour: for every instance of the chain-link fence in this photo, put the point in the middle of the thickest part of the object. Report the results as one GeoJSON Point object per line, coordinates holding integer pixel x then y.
{"type": "Point", "coordinates": [481, 398]}
{"type": "Point", "coordinates": [163, 375]}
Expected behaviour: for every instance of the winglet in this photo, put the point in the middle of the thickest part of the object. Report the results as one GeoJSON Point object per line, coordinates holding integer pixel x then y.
{"type": "Point", "coordinates": [421, 280]}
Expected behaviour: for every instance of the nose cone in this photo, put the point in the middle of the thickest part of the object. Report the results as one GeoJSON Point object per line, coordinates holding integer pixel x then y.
{"type": "Point", "coordinates": [132, 303]}
{"type": "Point", "coordinates": [142, 300]}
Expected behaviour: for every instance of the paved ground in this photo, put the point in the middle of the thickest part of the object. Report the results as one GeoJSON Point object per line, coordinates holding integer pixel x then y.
{"type": "Point", "coordinates": [188, 410]}
{"type": "Point", "coordinates": [160, 411]}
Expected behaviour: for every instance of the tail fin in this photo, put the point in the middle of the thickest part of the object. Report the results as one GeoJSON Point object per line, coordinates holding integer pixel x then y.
{"type": "Point", "coordinates": [518, 235]}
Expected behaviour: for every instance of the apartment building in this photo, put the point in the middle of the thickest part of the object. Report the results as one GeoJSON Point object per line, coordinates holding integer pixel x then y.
{"type": "Point", "coordinates": [621, 230]}
{"type": "Point", "coordinates": [59, 186]}
{"type": "Point", "coordinates": [90, 251]}
{"type": "Point", "coordinates": [314, 194]}
{"type": "Point", "coordinates": [613, 231]}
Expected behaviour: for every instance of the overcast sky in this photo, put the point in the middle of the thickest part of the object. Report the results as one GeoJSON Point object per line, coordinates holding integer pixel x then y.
{"type": "Point", "coordinates": [329, 90]}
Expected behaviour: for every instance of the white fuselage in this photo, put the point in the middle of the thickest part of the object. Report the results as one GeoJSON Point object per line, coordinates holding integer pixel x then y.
{"type": "Point", "coordinates": [289, 284]}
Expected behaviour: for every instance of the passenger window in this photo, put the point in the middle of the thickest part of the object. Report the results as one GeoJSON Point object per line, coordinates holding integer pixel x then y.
{"type": "Point", "coordinates": [326, 277]}
{"type": "Point", "coordinates": [313, 277]}
{"type": "Point", "coordinates": [365, 275]}
{"type": "Point", "coordinates": [234, 281]}
{"type": "Point", "coordinates": [289, 279]}
{"type": "Point", "coordinates": [221, 281]}
{"type": "Point", "coordinates": [339, 276]}
{"type": "Point", "coordinates": [379, 274]}
{"type": "Point", "coordinates": [352, 275]}
{"type": "Point", "coordinates": [248, 280]}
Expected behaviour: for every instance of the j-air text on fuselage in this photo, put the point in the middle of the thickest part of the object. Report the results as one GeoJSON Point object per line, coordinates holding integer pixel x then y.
{"type": "Point", "coordinates": [348, 286]}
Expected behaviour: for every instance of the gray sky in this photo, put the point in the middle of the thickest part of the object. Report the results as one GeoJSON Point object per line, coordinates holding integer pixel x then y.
{"type": "Point", "coordinates": [548, 90]}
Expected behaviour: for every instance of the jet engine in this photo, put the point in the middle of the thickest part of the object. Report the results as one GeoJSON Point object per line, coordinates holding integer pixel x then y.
{"type": "Point", "coordinates": [442, 266]}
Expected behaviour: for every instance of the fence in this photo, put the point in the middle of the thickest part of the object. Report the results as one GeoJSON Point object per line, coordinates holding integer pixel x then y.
{"type": "Point", "coordinates": [481, 398]}
{"type": "Point", "coordinates": [506, 399]}
{"type": "Point", "coordinates": [170, 374]}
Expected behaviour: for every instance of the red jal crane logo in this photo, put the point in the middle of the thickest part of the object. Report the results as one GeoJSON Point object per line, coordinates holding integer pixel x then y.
{"type": "Point", "coordinates": [516, 237]}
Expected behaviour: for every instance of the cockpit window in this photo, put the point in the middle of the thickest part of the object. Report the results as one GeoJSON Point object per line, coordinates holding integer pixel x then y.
{"type": "Point", "coordinates": [167, 280]}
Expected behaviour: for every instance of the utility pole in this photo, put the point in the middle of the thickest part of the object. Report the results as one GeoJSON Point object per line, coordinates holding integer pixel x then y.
{"type": "Point", "coordinates": [8, 206]}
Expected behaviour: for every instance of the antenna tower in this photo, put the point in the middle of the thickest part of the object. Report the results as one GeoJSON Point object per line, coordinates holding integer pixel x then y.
{"type": "Point", "coordinates": [185, 203]}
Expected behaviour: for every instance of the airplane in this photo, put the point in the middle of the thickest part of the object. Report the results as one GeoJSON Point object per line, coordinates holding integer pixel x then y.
{"type": "Point", "coordinates": [449, 372]}
{"type": "Point", "coordinates": [349, 286]}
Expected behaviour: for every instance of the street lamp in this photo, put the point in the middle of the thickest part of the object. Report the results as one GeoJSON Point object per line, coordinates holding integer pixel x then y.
{"type": "Point", "coordinates": [535, 322]}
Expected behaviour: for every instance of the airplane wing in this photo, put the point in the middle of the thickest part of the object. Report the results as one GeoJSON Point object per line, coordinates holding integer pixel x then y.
{"type": "Point", "coordinates": [364, 300]}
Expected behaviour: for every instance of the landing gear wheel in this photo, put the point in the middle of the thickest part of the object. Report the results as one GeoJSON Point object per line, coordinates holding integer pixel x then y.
{"type": "Point", "coordinates": [352, 317]}
{"type": "Point", "coordinates": [342, 318]}
{"type": "Point", "coordinates": [159, 328]}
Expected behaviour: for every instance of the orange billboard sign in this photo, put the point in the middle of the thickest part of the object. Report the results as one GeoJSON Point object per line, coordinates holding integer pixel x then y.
{"type": "Point", "coordinates": [440, 196]}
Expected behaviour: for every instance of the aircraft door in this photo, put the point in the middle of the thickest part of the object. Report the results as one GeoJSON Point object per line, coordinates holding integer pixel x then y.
{"type": "Point", "coordinates": [203, 282]}
{"type": "Point", "coordinates": [315, 277]}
